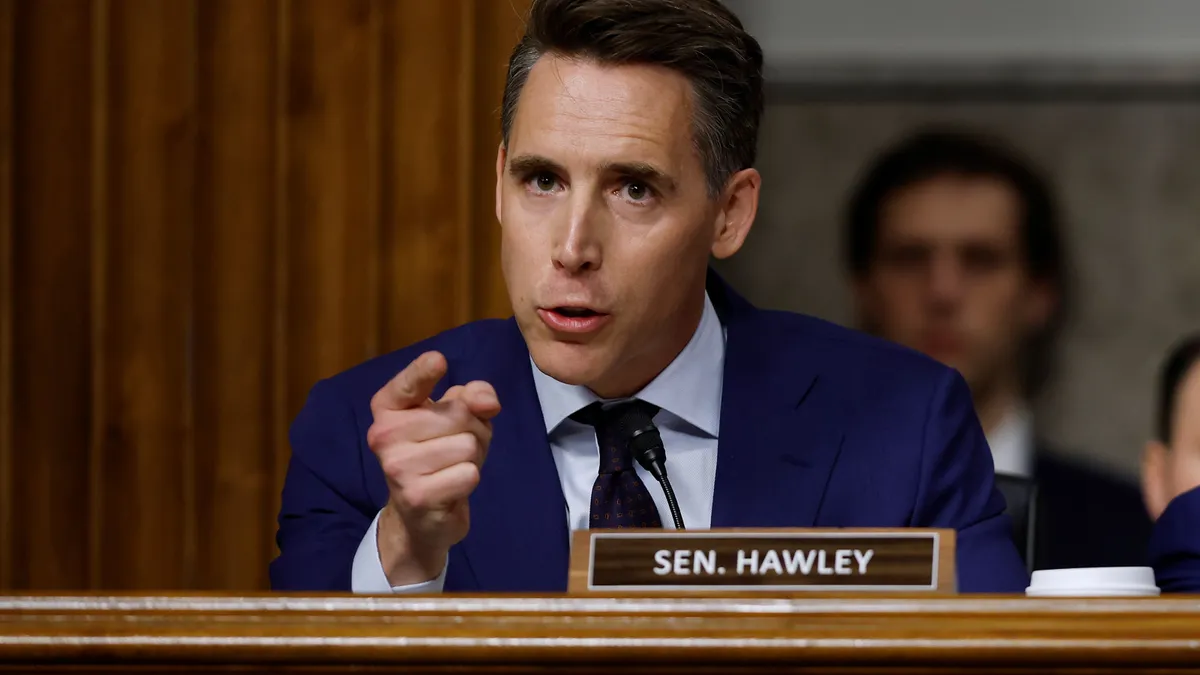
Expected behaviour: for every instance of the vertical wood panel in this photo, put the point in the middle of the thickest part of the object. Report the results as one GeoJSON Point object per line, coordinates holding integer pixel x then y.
{"type": "Point", "coordinates": [7, 16]}
{"type": "Point", "coordinates": [373, 253]}
{"type": "Point", "coordinates": [424, 206]}
{"type": "Point", "coordinates": [280, 403]}
{"type": "Point", "coordinates": [147, 441]}
{"type": "Point", "coordinates": [51, 267]}
{"type": "Point", "coordinates": [210, 205]}
{"type": "Point", "coordinates": [98, 201]}
{"type": "Point", "coordinates": [330, 173]}
{"type": "Point", "coordinates": [234, 292]}
{"type": "Point", "coordinates": [498, 27]}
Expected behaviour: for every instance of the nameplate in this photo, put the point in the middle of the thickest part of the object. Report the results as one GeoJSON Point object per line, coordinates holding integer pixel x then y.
{"type": "Point", "coordinates": [763, 561]}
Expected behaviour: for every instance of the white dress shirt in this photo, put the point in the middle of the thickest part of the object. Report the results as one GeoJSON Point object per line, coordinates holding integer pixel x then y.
{"type": "Point", "coordinates": [688, 393]}
{"type": "Point", "coordinates": [1011, 442]}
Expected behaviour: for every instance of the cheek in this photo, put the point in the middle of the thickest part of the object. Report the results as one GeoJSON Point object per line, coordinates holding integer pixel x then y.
{"type": "Point", "coordinates": [1184, 472]}
{"type": "Point", "coordinates": [663, 250]}
{"type": "Point", "coordinates": [1001, 296]}
{"type": "Point", "coordinates": [996, 308]}
{"type": "Point", "coordinates": [899, 304]}
{"type": "Point", "coordinates": [520, 234]}
{"type": "Point", "coordinates": [517, 252]}
{"type": "Point", "coordinates": [653, 277]}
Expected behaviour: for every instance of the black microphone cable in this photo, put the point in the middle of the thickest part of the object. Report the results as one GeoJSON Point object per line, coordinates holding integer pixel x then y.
{"type": "Point", "coordinates": [646, 445]}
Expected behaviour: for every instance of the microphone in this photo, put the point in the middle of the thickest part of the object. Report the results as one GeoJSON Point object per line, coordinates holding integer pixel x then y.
{"type": "Point", "coordinates": [646, 445]}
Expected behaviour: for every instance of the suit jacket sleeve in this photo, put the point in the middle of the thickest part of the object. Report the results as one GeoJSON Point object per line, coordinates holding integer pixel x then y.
{"type": "Point", "coordinates": [325, 509]}
{"type": "Point", "coordinates": [958, 491]}
{"type": "Point", "coordinates": [1175, 545]}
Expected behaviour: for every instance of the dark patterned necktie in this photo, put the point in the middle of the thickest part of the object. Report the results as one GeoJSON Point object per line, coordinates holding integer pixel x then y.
{"type": "Point", "coordinates": [619, 497]}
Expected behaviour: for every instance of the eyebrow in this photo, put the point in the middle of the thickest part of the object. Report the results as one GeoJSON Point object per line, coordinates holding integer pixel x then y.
{"type": "Point", "coordinates": [525, 165]}
{"type": "Point", "coordinates": [530, 164]}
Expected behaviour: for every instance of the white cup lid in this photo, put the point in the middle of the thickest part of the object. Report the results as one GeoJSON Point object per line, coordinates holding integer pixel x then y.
{"type": "Point", "coordinates": [1094, 580]}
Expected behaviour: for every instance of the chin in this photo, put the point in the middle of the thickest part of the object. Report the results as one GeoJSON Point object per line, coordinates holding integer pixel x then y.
{"type": "Point", "coordinates": [574, 364]}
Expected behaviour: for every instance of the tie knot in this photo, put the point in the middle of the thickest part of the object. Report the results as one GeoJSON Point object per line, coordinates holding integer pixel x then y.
{"type": "Point", "coordinates": [616, 424]}
{"type": "Point", "coordinates": [627, 414]}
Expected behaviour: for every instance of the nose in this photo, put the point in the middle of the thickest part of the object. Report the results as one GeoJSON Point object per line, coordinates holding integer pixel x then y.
{"type": "Point", "coordinates": [577, 236]}
{"type": "Point", "coordinates": [946, 282]}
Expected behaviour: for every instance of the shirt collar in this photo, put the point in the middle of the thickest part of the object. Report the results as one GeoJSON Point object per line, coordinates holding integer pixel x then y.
{"type": "Point", "coordinates": [1011, 442]}
{"type": "Point", "coordinates": [689, 388]}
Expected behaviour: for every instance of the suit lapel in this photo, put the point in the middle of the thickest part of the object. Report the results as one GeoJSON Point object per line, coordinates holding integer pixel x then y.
{"type": "Point", "coordinates": [518, 539]}
{"type": "Point", "coordinates": [779, 437]}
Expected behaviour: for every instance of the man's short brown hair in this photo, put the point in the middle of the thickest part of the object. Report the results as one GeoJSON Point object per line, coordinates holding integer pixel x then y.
{"type": "Point", "coordinates": [700, 39]}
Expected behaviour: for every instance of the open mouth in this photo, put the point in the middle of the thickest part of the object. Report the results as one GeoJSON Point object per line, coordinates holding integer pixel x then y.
{"type": "Point", "coordinates": [573, 319]}
{"type": "Point", "coordinates": [575, 312]}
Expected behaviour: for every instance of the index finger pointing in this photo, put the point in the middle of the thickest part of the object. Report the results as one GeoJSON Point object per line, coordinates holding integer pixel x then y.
{"type": "Point", "coordinates": [412, 386]}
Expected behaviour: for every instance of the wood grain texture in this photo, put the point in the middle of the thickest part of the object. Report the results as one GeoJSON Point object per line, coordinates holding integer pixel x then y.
{"type": "Point", "coordinates": [235, 292]}
{"type": "Point", "coordinates": [514, 634]}
{"type": "Point", "coordinates": [281, 412]}
{"type": "Point", "coordinates": [424, 210]}
{"type": "Point", "coordinates": [7, 18]}
{"type": "Point", "coordinates": [496, 29]}
{"type": "Point", "coordinates": [330, 169]}
{"type": "Point", "coordinates": [205, 207]}
{"type": "Point", "coordinates": [98, 204]}
{"type": "Point", "coordinates": [902, 562]}
{"type": "Point", "coordinates": [147, 306]}
{"type": "Point", "coordinates": [51, 254]}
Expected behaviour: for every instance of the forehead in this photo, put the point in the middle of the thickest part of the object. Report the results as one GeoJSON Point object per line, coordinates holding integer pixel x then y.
{"type": "Point", "coordinates": [599, 113]}
{"type": "Point", "coordinates": [953, 209]}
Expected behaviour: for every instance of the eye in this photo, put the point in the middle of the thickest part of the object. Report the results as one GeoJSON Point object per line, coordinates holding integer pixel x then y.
{"type": "Point", "coordinates": [637, 192]}
{"type": "Point", "coordinates": [983, 259]}
{"type": "Point", "coordinates": [905, 257]}
{"type": "Point", "coordinates": [543, 181]}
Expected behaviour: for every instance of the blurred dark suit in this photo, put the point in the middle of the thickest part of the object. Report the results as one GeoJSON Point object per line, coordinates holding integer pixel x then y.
{"type": "Point", "coordinates": [1175, 549]}
{"type": "Point", "coordinates": [1086, 516]}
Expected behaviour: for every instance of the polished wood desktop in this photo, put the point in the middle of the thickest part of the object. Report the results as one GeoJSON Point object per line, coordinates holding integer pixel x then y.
{"type": "Point", "coordinates": [332, 634]}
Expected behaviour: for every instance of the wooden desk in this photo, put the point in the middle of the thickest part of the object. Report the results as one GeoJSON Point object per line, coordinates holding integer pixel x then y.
{"type": "Point", "coordinates": [331, 634]}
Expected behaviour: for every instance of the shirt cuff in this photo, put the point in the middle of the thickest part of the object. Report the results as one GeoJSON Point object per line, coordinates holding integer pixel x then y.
{"type": "Point", "coordinates": [367, 575]}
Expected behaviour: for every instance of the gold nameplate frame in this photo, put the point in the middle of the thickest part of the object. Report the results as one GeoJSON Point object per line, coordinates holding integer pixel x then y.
{"type": "Point", "coordinates": [780, 562]}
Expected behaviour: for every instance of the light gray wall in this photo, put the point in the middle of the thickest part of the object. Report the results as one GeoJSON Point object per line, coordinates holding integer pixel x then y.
{"type": "Point", "coordinates": [1108, 30]}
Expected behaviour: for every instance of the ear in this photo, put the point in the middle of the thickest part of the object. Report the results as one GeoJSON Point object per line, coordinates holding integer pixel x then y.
{"type": "Point", "coordinates": [739, 205]}
{"type": "Point", "coordinates": [501, 156]}
{"type": "Point", "coordinates": [1155, 491]}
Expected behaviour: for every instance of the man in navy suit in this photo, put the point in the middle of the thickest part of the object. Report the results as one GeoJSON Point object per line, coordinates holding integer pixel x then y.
{"type": "Point", "coordinates": [1171, 472]}
{"type": "Point", "coordinates": [463, 462]}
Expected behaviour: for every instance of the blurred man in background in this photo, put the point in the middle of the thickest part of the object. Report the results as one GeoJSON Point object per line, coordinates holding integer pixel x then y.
{"type": "Point", "coordinates": [1171, 472]}
{"type": "Point", "coordinates": [954, 249]}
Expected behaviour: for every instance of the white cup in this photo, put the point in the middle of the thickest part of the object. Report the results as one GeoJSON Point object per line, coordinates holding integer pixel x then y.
{"type": "Point", "coordinates": [1093, 582]}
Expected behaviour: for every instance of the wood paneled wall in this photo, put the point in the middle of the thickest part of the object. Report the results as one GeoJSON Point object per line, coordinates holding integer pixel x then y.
{"type": "Point", "coordinates": [206, 206]}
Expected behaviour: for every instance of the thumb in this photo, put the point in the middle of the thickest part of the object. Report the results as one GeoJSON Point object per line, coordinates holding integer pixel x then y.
{"type": "Point", "coordinates": [412, 386]}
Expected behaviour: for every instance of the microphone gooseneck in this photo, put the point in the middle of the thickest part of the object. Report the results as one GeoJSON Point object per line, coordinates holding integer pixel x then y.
{"type": "Point", "coordinates": [645, 443]}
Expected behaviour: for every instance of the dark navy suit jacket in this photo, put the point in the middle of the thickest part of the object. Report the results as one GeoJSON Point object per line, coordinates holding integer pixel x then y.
{"type": "Point", "coordinates": [820, 426]}
{"type": "Point", "coordinates": [1175, 545]}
